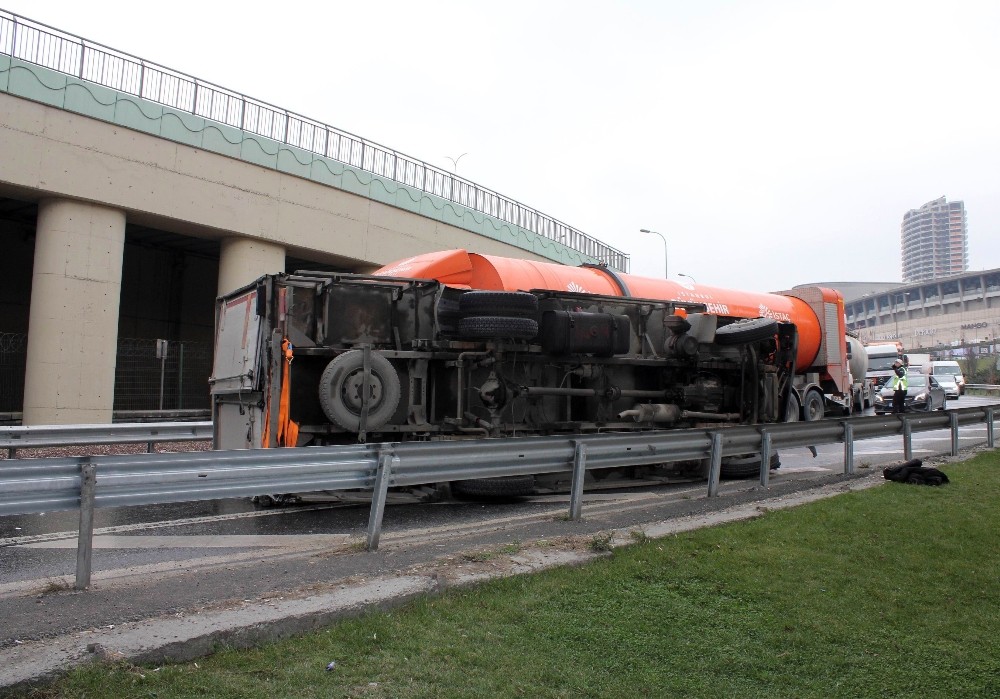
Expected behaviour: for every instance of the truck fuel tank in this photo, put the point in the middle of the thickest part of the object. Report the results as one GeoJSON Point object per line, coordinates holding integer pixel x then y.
{"type": "Point", "coordinates": [570, 332]}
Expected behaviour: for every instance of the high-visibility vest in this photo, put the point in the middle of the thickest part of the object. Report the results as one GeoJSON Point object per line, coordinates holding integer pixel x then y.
{"type": "Point", "coordinates": [899, 383]}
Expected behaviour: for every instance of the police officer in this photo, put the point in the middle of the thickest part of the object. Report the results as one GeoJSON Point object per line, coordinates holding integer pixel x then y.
{"type": "Point", "coordinates": [899, 385]}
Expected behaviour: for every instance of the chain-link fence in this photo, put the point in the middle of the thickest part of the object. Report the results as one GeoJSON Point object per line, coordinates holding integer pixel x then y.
{"type": "Point", "coordinates": [145, 379]}
{"type": "Point", "coordinates": [162, 375]}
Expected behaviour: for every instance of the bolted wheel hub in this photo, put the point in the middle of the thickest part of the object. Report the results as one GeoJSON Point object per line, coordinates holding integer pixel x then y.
{"type": "Point", "coordinates": [353, 389]}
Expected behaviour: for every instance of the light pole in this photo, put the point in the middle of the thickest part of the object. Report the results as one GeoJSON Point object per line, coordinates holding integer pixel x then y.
{"type": "Point", "coordinates": [693, 280]}
{"type": "Point", "coordinates": [666, 274]}
{"type": "Point", "coordinates": [454, 162]}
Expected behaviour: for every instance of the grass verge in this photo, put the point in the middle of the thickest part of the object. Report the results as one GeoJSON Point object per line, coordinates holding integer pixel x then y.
{"type": "Point", "coordinates": [889, 592]}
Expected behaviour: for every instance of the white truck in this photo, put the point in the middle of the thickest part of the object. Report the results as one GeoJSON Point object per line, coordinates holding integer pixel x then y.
{"type": "Point", "coordinates": [919, 363]}
{"type": "Point", "coordinates": [880, 359]}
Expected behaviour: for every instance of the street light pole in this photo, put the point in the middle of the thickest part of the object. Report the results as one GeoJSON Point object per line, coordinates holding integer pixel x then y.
{"type": "Point", "coordinates": [693, 280]}
{"type": "Point", "coordinates": [666, 273]}
{"type": "Point", "coordinates": [454, 162]}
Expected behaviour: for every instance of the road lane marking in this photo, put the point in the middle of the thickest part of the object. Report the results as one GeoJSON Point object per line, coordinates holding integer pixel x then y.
{"type": "Point", "coordinates": [145, 574]}
{"type": "Point", "coordinates": [140, 526]}
{"type": "Point", "coordinates": [294, 541]}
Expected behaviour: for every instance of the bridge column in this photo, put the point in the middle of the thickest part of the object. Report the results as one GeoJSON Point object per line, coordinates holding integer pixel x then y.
{"type": "Point", "coordinates": [241, 260]}
{"type": "Point", "coordinates": [73, 319]}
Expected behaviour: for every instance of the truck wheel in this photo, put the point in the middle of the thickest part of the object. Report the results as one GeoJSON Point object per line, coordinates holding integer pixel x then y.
{"type": "Point", "coordinates": [793, 411]}
{"type": "Point", "coordinates": [513, 304]}
{"type": "Point", "coordinates": [486, 327]}
{"type": "Point", "coordinates": [265, 502]}
{"type": "Point", "coordinates": [745, 331]}
{"type": "Point", "coordinates": [485, 488]}
{"type": "Point", "coordinates": [813, 408]}
{"type": "Point", "coordinates": [340, 390]}
{"type": "Point", "coordinates": [738, 467]}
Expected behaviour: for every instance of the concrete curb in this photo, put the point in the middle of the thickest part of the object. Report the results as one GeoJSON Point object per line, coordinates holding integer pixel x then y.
{"type": "Point", "coordinates": [190, 636]}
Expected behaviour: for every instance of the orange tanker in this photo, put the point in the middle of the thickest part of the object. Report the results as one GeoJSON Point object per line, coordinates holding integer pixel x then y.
{"type": "Point", "coordinates": [455, 344]}
{"type": "Point", "coordinates": [462, 269]}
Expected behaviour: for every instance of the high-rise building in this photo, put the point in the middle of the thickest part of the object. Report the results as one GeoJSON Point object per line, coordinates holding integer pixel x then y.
{"type": "Point", "coordinates": [934, 241]}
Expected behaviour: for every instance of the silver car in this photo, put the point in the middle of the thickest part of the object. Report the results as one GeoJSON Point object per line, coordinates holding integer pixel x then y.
{"type": "Point", "coordinates": [950, 385]}
{"type": "Point", "coordinates": [924, 393]}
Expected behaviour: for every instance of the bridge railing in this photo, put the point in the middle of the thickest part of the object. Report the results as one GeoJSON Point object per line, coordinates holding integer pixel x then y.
{"type": "Point", "coordinates": [51, 48]}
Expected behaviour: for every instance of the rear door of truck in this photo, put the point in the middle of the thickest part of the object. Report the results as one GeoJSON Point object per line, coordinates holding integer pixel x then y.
{"type": "Point", "coordinates": [239, 371]}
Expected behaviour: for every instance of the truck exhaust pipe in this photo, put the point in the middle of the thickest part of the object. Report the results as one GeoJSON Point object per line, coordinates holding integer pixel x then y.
{"type": "Point", "coordinates": [670, 412]}
{"type": "Point", "coordinates": [653, 412]}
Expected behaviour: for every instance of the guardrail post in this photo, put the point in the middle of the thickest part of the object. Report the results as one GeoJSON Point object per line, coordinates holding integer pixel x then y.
{"type": "Point", "coordinates": [715, 467]}
{"type": "Point", "coordinates": [382, 477]}
{"type": "Point", "coordinates": [848, 449]}
{"type": "Point", "coordinates": [953, 417]}
{"type": "Point", "coordinates": [907, 439]}
{"type": "Point", "coordinates": [579, 474]}
{"type": "Point", "coordinates": [85, 542]}
{"type": "Point", "coordinates": [989, 427]}
{"type": "Point", "coordinates": [765, 457]}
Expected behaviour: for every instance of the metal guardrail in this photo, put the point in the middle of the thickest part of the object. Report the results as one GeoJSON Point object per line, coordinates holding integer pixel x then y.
{"type": "Point", "coordinates": [57, 50]}
{"type": "Point", "coordinates": [14, 438]}
{"type": "Point", "coordinates": [193, 415]}
{"type": "Point", "coordinates": [985, 387]}
{"type": "Point", "coordinates": [13, 419]}
{"type": "Point", "coordinates": [30, 486]}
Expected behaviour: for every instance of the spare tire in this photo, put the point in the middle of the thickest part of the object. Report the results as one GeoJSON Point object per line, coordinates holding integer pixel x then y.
{"type": "Point", "coordinates": [514, 304]}
{"type": "Point", "coordinates": [489, 327]}
{"type": "Point", "coordinates": [747, 330]}
{"type": "Point", "coordinates": [340, 390]}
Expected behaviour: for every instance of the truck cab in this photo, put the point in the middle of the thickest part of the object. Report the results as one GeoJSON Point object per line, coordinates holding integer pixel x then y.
{"type": "Point", "coordinates": [880, 359]}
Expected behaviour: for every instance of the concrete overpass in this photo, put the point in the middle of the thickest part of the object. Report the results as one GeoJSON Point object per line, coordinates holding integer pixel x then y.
{"type": "Point", "coordinates": [134, 194]}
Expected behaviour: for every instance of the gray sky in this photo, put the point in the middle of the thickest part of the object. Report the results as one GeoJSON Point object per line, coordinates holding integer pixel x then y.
{"type": "Point", "coordinates": [773, 143]}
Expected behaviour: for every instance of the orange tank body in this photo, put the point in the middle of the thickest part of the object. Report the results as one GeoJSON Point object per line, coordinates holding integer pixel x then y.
{"type": "Point", "coordinates": [488, 272]}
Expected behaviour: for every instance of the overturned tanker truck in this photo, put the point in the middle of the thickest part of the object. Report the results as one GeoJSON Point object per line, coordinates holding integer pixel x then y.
{"type": "Point", "coordinates": [458, 345]}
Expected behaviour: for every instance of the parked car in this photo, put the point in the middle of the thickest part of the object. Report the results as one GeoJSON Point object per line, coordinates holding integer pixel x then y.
{"type": "Point", "coordinates": [950, 385]}
{"type": "Point", "coordinates": [924, 393]}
